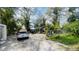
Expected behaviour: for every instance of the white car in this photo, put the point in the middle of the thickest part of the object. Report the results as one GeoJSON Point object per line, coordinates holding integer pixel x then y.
{"type": "Point", "coordinates": [22, 35]}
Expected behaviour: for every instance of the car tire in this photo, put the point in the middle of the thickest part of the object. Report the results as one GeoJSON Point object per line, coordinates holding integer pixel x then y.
{"type": "Point", "coordinates": [21, 39]}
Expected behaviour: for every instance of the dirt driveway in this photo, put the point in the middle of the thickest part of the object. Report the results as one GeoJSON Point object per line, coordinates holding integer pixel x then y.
{"type": "Point", "coordinates": [36, 42]}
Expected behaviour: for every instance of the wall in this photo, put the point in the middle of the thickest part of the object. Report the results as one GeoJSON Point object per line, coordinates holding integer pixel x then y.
{"type": "Point", "coordinates": [3, 32]}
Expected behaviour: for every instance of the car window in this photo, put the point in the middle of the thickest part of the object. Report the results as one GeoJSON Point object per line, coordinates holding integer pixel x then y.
{"type": "Point", "coordinates": [22, 32]}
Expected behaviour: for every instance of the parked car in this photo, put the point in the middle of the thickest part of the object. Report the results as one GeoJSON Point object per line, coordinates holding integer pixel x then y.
{"type": "Point", "coordinates": [22, 35]}
{"type": "Point", "coordinates": [32, 30]}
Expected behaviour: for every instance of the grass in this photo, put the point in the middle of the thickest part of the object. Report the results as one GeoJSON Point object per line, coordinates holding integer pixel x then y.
{"type": "Point", "coordinates": [65, 38]}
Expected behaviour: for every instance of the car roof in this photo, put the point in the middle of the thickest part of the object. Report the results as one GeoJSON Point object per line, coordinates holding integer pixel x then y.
{"type": "Point", "coordinates": [22, 30]}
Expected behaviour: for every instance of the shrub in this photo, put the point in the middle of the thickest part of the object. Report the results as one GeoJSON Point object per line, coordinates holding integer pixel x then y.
{"type": "Point", "coordinates": [72, 27]}
{"type": "Point", "coordinates": [67, 39]}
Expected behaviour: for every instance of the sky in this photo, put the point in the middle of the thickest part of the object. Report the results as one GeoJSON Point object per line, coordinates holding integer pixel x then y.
{"type": "Point", "coordinates": [39, 11]}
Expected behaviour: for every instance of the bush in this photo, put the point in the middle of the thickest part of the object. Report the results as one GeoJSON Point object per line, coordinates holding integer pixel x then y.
{"type": "Point", "coordinates": [67, 39]}
{"type": "Point", "coordinates": [72, 27]}
{"type": "Point", "coordinates": [54, 27]}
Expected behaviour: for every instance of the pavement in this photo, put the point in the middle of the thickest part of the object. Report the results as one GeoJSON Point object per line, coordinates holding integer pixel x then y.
{"type": "Point", "coordinates": [36, 42]}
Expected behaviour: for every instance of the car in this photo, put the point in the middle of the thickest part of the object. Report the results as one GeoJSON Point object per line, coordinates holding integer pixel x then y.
{"type": "Point", "coordinates": [22, 35]}
{"type": "Point", "coordinates": [32, 30]}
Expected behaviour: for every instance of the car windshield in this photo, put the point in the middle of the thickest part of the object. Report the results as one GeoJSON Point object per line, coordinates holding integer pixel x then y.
{"type": "Point", "coordinates": [22, 32]}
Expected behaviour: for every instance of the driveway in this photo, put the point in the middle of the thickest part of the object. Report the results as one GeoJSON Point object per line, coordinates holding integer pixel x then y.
{"type": "Point", "coordinates": [36, 42]}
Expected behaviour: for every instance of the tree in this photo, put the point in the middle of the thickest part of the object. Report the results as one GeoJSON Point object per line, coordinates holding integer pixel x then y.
{"type": "Point", "coordinates": [56, 24]}
{"type": "Point", "coordinates": [54, 13]}
{"type": "Point", "coordinates": [6, 17]}
{"type": "Point", "coordinates": [72, 17]}
{"type": "Point", "coordinates": [42, 25]}
{"type": "Point", "coordinates": [26, 12]}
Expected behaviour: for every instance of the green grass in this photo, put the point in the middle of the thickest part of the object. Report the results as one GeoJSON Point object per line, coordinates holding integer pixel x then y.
{"type": "Point", "coordinates": [67, 39]}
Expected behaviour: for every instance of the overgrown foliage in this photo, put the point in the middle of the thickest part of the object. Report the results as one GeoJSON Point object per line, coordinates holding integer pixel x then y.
{"type": "Point", "coordinates": [72, 27]}
{"type": "Point", "coordinates": [6, 17]}
{"type": "Point", "coordinates": [70, 30]}
{"type": "Point", "coordinates": [66, 38]}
